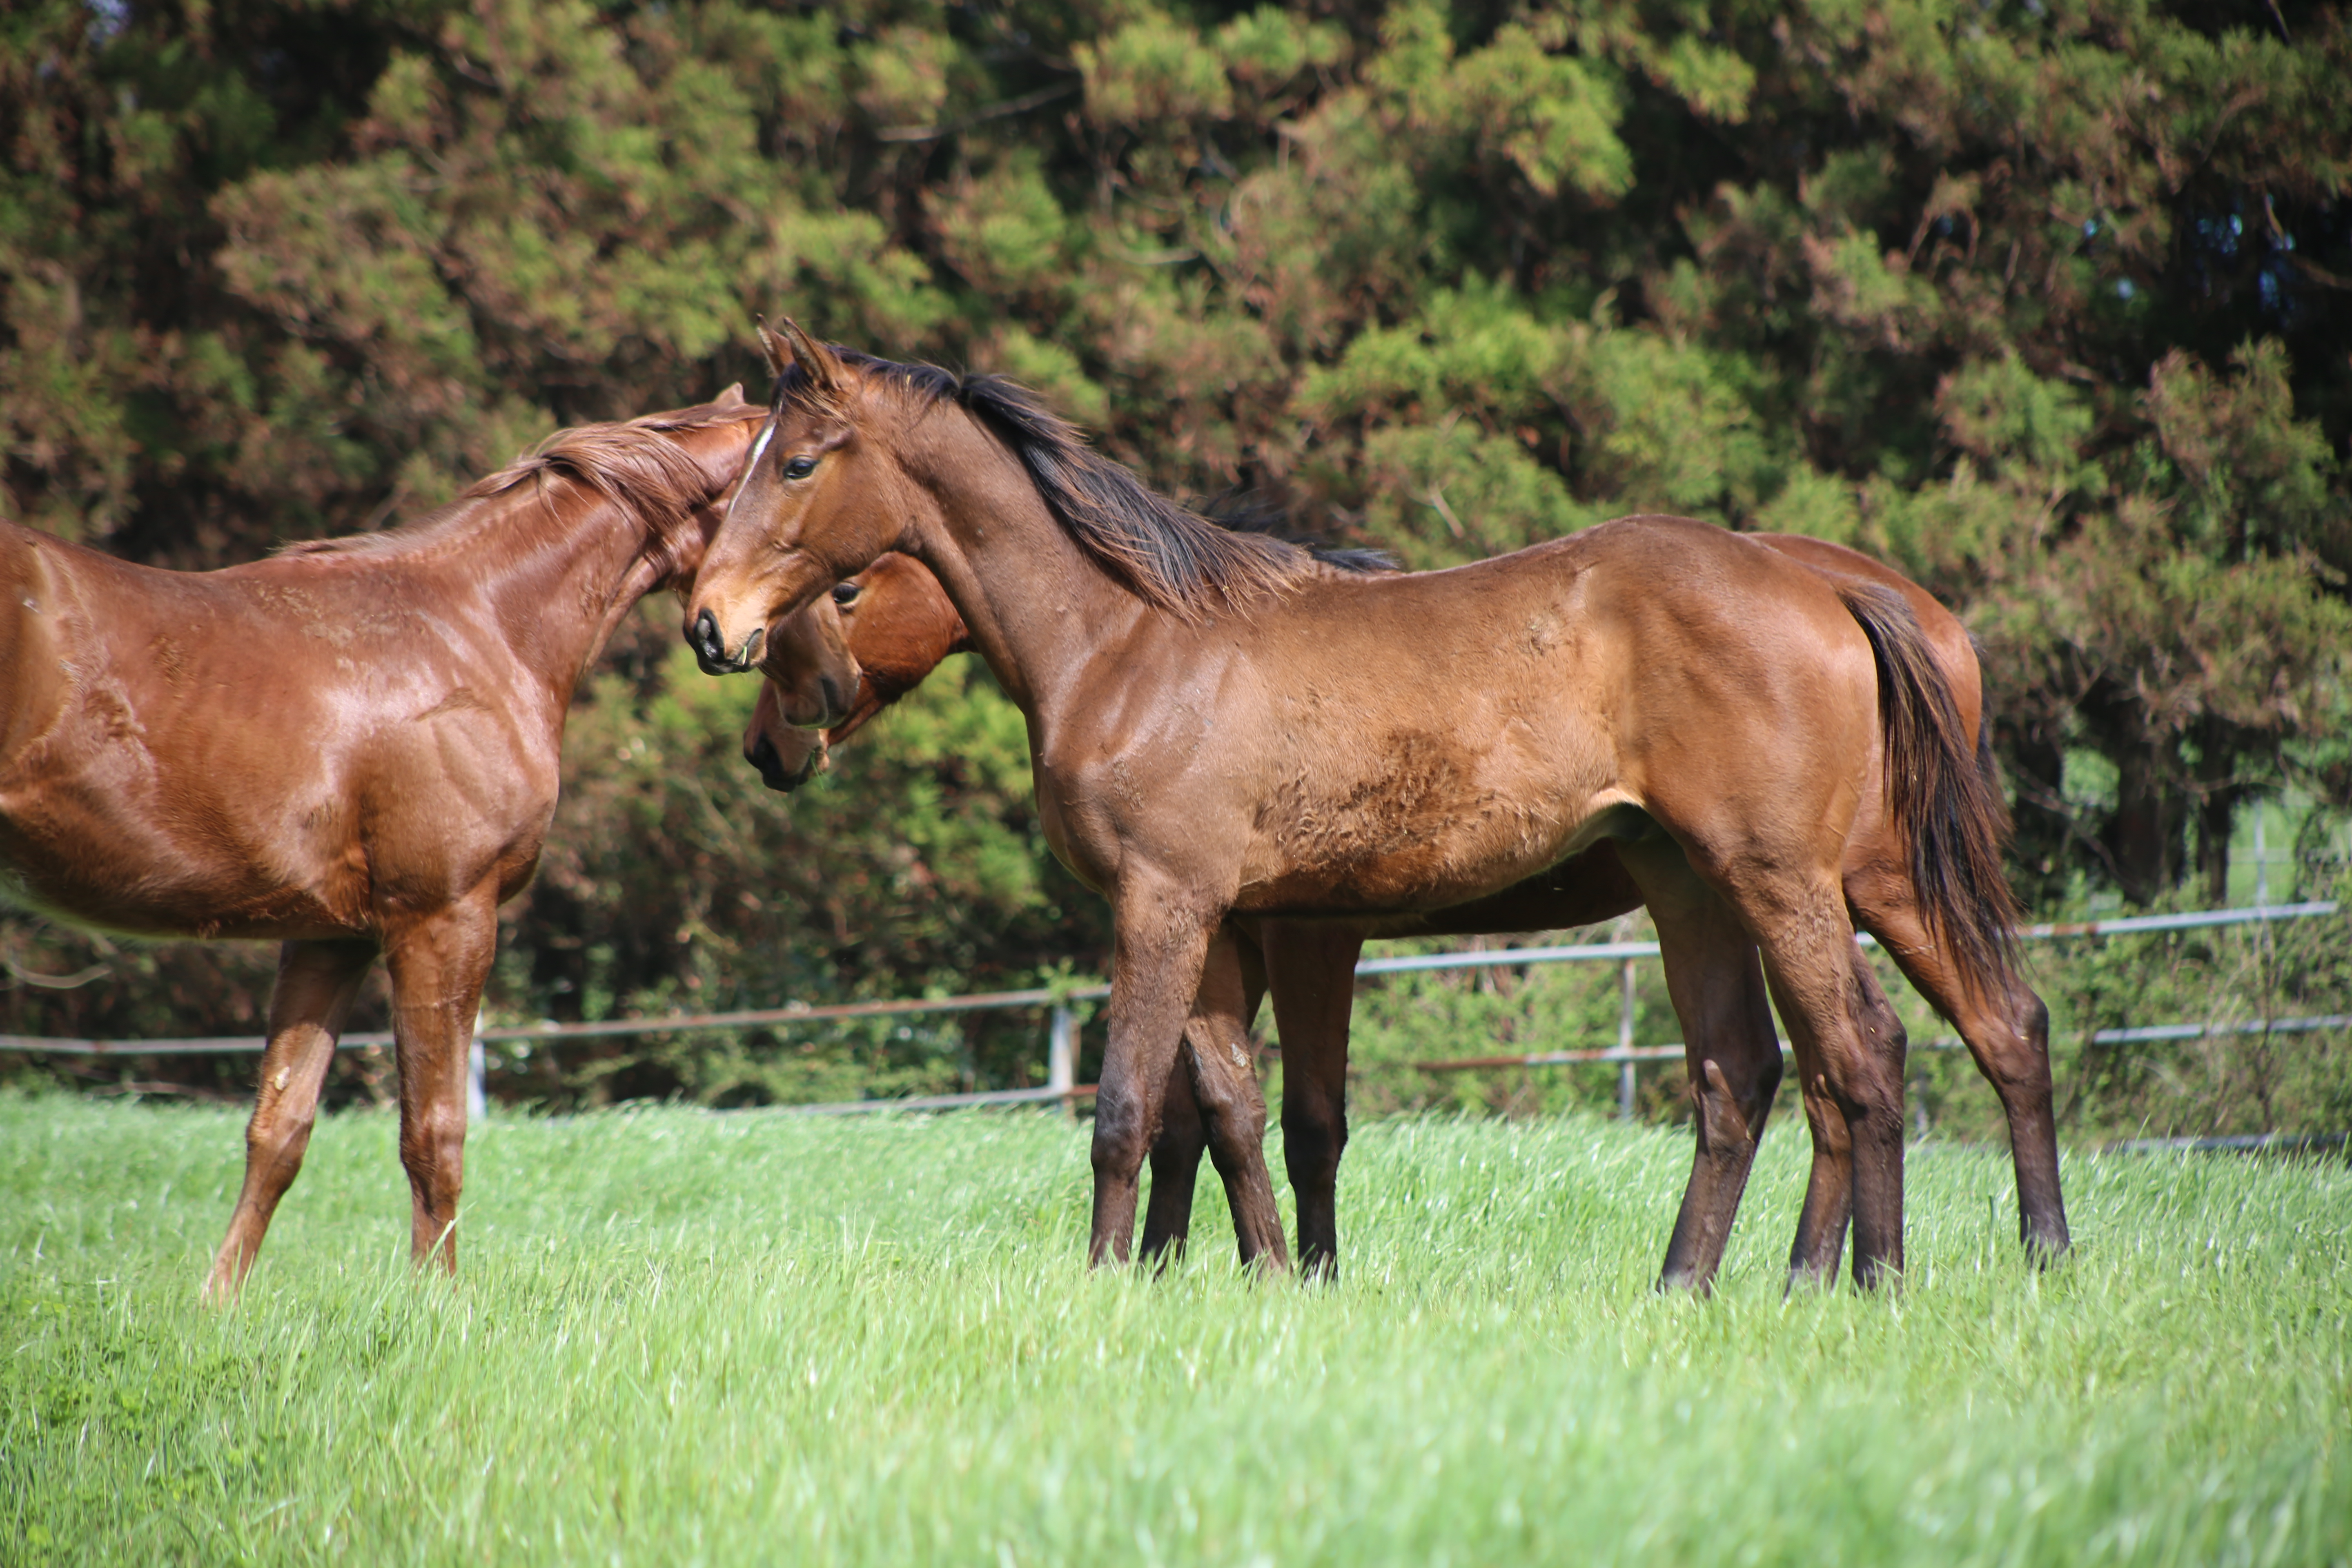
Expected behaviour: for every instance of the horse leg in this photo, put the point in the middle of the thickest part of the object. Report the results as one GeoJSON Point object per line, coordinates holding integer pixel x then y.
{"type": "Point", "coordinates": [1312, 969]}
{"type": "Point", "coordinates": [437, 969]}
{"type": "Point", "coordinates": [1224, 1080]}
{"type": "Point", "coordinates": [1175, 1168]}
{"type": "Point", "coordinates": [1155, 962]}
{"type": "Point", "coordinates": [1828, 1209]}
{"type": "Point", "coordinates": [317, 983]}
{"type": "Point", "coordinates": [1184, 1137]}
{"type": "Point", "coordinates": [1851, 1051]}
{"type": "Point", "coordinates": [1728, 1043]}
{"type": "Point", "coordinates": [2007, 1030]}
{"type": "Point", "coordinates": [1829, 1190]}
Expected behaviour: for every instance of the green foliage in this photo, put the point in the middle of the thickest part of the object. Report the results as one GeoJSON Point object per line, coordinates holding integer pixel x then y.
{"type": "Point", "coordinates": [681, 1337]}
{"type": "Point", "coordinates": [2047, 304]}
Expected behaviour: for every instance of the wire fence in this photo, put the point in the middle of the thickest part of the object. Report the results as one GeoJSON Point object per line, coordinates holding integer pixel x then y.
{"type": "Point", "coordinates": [1062, 1023]}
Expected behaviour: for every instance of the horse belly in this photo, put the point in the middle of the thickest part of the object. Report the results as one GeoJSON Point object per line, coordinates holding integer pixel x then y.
{"type": "Point", "coordinates": [99, 829]}
{"type": "Point", "coordinates": [1431, 827]}
{"type": "Point", "coordinates": [145, 876]}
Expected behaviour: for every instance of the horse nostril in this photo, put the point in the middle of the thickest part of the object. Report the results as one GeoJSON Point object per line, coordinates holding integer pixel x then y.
{"type": "Point", "coordinates": [704, 639]}
{"type": "Point", "coordinates": [834, 706]}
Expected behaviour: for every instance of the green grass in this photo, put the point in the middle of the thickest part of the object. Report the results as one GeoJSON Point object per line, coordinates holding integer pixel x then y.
{"type": "Point", "coordinates": [696, 1339]}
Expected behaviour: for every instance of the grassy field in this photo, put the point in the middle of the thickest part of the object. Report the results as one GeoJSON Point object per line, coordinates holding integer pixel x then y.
{"type": "Point", "coordinates": [682, 1338]}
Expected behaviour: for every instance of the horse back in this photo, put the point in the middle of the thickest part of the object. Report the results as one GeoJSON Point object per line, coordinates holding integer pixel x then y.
{"type": "Point", "coordinates": [1440, 735]}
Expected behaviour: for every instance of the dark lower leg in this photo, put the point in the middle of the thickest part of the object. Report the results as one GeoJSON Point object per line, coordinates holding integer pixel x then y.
{"type": "Point", "coordinates": [1819, 1246]}
{"type": "Point", "coordinates": [1175, 1169]}
{"type": "Point", "coordinates": [1232, 1105]}
{"type": "Point", "coordinates": [1155, 975]}
{"type": "Point", "coordinates": [2007, 1030]}
{"type": "Point", "coordinates": [1874, 1114]}
{"type": "Point", "coordinates": [1311, 972]}
{"type": "Point", "coordinates": [1850, 1050]}
{"type": "Point", "coordinates": [1314, 1135]}
{"type": "Point", "coordinates": [1729, 1120]}
{"type": "Point", "coordinates": [1734, 1059]}
{"type": "Point", "coordinates": [2018, 1063]}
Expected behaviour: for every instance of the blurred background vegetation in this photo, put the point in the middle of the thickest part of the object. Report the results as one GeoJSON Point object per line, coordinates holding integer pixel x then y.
{"type": "Point", "coordinates": [2049, 303]}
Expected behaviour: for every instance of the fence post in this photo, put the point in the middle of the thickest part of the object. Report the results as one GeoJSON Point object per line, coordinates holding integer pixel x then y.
{"type": "Point", "coordinates": [1625, 1043]}
{"type": "Point", "coordinates": [1062, 1059]}
{"type": "Point", "coordinates": [475, 1102]}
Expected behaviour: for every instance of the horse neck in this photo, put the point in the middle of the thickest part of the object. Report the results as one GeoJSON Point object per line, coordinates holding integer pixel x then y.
{"type": "Point", "coordinates": [566, 562]}
{"type": "Point", "coordinates": [1037, 608]}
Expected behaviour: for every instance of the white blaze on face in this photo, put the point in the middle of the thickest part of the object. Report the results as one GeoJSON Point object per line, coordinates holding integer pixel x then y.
{"type": "Point", "coordinates": [759, 450]}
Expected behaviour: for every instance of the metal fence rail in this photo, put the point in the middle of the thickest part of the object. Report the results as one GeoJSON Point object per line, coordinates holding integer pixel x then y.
{"type": "Point", "coordinates": [1062, 1028]}
{"type": "Point", "coordinates": [1626, 1054]}
{"type": "Point", "coordinates": [1942, 1043]}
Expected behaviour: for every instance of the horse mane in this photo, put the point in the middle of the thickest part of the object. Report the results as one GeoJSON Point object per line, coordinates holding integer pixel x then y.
{"type": "Point", "coordinates": [1244, 511]}
{"type": "Point", "coordinates": [1172, 557]}
{"type": "Point", "coordinates": [626, 461]}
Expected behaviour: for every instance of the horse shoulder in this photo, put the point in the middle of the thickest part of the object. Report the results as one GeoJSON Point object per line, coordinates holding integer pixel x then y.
{"type": "Point", "coordinates": [30, 647]}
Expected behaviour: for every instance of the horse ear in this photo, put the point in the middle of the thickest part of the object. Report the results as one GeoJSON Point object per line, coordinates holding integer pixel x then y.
{"type": "Point", "coordinates": [731, 394]}
{"type": "Point", "coordinates": [819, 363]}
{"type": "Point", "coordinates": [773, 347]}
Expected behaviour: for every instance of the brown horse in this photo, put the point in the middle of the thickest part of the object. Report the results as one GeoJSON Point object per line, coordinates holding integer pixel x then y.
{"type": "Point", "coordinates": [900, 624]}
{"type": "Point", "coordinates": [351, 747]}
{"type": "Point", "coordinates": [1221, 727]}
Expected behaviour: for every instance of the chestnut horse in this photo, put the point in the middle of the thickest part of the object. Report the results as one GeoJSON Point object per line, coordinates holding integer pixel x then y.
{"type": "Point", "coordinates": [900, 625]}
{"type": "Point", "coordinates": [351, 747]}
{"type": "Point", "coordinates": [1222, 726]}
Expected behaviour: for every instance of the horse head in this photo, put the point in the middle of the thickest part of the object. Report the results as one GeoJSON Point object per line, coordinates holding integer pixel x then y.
{"type": "Point", "coordinates": [804, 516]}
{"type": "Point", "coordinates": [813, 675]}
{"type": "Point", "coordinates": [898, 626]}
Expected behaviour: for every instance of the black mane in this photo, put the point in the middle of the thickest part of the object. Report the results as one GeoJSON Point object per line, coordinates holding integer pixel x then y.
{"type": "Point", "coordinates": [1172, 557]}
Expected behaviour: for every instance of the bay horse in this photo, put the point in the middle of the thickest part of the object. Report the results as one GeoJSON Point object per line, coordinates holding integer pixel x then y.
{"type": "Point", "coordinates": [1221, 727]}
{"type": "Point", "coordinates": [351, 747]}
{"type": "Point", "coordinates": [900, 625]}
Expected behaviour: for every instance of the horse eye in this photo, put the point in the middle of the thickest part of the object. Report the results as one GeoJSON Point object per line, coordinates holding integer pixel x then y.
{"type": "Point", "coordinates": [844, 594]}
{"type": "Point", "coordinates": [800, 467]}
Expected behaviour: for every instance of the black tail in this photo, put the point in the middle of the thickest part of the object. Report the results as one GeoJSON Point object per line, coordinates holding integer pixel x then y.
{"type": "Point", "coordinates": [1941, 795]}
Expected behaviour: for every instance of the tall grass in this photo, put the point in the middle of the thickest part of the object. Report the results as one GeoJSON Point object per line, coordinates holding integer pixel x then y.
{"type": "Point", "coordinates": [682, 1338]}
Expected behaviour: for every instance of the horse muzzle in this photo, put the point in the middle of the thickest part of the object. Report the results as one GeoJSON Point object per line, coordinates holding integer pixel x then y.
{"type": "Point", "coordinates": [712, 655]}
{"type": "Point", "coordinates": [761, 754]}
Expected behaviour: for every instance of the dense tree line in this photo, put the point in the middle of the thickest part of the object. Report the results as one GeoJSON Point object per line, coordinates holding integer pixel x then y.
{"type": "Point", "coordinates": [2049, 303]}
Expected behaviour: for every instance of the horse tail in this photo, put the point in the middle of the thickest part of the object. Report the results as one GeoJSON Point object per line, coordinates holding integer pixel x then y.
{"type": "Point", "coordinates": [1941, 795]}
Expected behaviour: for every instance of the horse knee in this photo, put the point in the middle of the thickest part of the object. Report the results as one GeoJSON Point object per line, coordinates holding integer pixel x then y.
{"type": "Point", "coordinates": [2033, 1018]}
{"type": "Point", "coordinates": [1731, 1111]}
{"type": "Point", "coordinates": [1871, 1105]}
{"type": "Point", "coordinates": [432, 1152]}
{"type": "Point", "coordinates": [279, 1133]}
{"type": "Point", "coordinates": [1238, 1122]}
{"type": "Point", "coordinates": [1121, 1139]}
{"type": "Point", "coordinates": [2028, 1061]}
{"type": "Point", "coordinates": [1314, 1136]}
{"type": "Point", "coordinates": [2014, 1053]}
